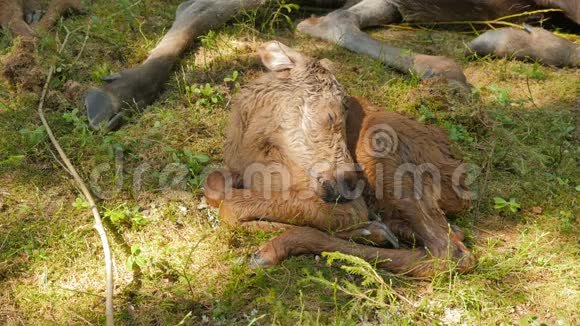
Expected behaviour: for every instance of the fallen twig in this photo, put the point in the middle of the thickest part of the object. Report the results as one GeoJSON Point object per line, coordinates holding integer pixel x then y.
{"type": "Point", "coordinates": [84, 190]}
{"type": "Point", "coordinates": [84, 44]}
{"type": "Point", "coordinates": [501, 21]}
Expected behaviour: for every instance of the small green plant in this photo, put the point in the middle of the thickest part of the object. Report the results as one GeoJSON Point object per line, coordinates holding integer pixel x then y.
{"type": "Point", "coordinates": [82, 134]}
{"type": "Point", "coordinates": [33, 137]}
{"type": "Point", "coordinates": [101, 71]}
{"type": "Point", "coordinates": [233, 80]}
{"type": "Point", "coordinates": [502, 204]}
{"type": "Point", "coordinates": [414, 77]}
{"type": "Point", "coordinates": [126, 7]}
{"type": "Point", "coordinates": [502, 95]}
{"type": "Point", "coordinates": [531, 320]}
{"type": "Point", "coordinates": [209, 40]}
{"type": "Point", "coordinates": [206, 95]}
{"type": "Point", "coordinates": [563, 181]}
{"type": "Point", "coordinates": [81, 204]}
{"type": "Point", "coordinates": [458, 133]}
{"type": "Point", "coordinates": [535, 72]}
{"type": "Point", "coordinates": [135, 260]}
{"type": "Point", "coordinates": [12, 160]}
{"type": "Point", "coordinates": [123, 215]}
{"type": "Point", "coordinates": [372, 293]}
{"type": "Point", "coordinates": [194, 162]}
{"type": "Point", "coordinates": [111, 144]}
{"type": "Point", "coordinates": [568, 220]}
{"type": "Point", "coordinates": [426, 116]}
{"type": "Point", "coordinates": [501, 117]}
{"type": "Point", "coordinates": [269, 17]}
{"type": "Point", "coordinates": [280, 13]}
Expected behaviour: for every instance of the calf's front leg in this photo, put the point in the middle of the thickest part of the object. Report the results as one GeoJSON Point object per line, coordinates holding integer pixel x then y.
{"type": "Point", "coordinates": [242, 207]}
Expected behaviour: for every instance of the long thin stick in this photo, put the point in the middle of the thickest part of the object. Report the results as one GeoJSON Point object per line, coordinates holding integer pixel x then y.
{"type": "Point", "coordinates": [85, 191]}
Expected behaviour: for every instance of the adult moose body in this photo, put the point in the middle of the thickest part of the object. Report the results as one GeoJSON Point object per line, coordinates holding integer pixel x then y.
{"type": "Point", "coordinates": [141, 85]}
{"type": "Point", "coordinates": [291, 153]}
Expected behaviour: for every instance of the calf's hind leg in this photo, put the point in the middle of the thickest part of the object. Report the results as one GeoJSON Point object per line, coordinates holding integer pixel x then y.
{"type": "Point", "coordinates": [343, 27]}
{"type": "Point", "coordinates": [426, 223]}
{"type": "Point", "coordinates": [306, 240]}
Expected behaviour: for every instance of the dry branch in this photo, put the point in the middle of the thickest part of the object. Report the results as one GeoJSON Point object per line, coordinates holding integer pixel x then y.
{"type": "Point", "coordinates": [84, 190]}
{"type": "Point", "coordinates": [501, 21]}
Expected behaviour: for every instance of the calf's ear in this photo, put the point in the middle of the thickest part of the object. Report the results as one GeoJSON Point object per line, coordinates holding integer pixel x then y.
{"type": "Point", "coordinates": [277, 56]}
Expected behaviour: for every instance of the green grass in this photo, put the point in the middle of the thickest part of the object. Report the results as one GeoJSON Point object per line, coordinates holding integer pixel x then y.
{"type": "Point", "coordinates": [519, 125]}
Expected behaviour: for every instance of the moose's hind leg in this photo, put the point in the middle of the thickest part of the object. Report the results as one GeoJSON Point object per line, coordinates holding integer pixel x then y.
{"type": "Point", "coordinates": [342, 27]}
{"type": "Point", "coordinates": [141, 85]}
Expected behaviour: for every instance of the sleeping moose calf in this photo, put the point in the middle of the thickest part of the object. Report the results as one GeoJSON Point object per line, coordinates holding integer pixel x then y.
{"type": "Point", "coordinates": [304, 158]}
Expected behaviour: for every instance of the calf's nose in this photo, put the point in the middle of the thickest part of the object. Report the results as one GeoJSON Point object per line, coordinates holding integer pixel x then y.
{"type": "Point", "coordinates": [343, 189]}
{"type": "Point", "coordinates": [331, 193]}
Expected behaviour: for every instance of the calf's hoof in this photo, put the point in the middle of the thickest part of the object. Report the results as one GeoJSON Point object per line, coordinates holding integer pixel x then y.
{"type": "Point", "coordinates": [464, 259]}
{"type": "Point", "coordinates": [466, 263]}
{"type": "Point", "coordinates": [451, 254]}
{"type": "Point", "coordinates": [259, 260]}
{"type": "Point", "coordinates": [33, 16]}
{"type": "Point", "coordinates": [378, 234]}
{"type": "Point", "coordinates": [214, 188]}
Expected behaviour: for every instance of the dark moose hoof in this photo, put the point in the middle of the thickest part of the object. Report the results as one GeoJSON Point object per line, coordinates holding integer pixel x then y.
{"type": "Point", "coordinates": [103, 110]}
{"type": "Point", "coordinates": [137, 87]}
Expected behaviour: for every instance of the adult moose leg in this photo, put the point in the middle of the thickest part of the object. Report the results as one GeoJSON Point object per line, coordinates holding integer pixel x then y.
{"type": "Point", "coordinates": [12, 17]}
{"type": "Point", "coordinates": [141, 85]}
{"type": "Point", "coordinates": [343, 27]}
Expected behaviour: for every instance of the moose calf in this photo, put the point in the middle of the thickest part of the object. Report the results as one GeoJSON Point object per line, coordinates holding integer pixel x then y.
{"type": "Point", "coordinates": [305, 158]}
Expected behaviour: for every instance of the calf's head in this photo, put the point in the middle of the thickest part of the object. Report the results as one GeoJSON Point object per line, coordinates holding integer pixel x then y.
{"type": "Point", "coordinates": [306, 105]}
